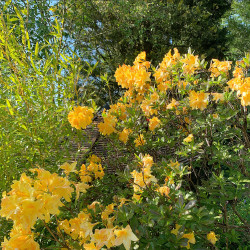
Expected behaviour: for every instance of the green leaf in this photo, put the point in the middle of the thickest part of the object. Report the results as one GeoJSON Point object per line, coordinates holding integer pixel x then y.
{"type": "Point", "coordinates": [9, 107]}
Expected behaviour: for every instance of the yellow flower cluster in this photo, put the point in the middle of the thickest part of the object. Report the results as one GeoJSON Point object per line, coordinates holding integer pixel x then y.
{"type": "Point", "coordinates": [212, 237]}
{"type": "Point", "coordinates": [136, 76]}
{"type": "Point", "coordinates": [94, 169]}
{"type": "Point", "coordinates": [163, 73]}
{"type": "Point", "coordinates": [241, 84]}
{"type": "Point", "coordinates": [198, 100]}
{"type": "Point", "coordinates": [189, 138]}
{"type": "Point", "coordinates": [80, 117]}
{"type": "Point", "coordinates": [154, 123]}
{"type": "Point", "coordinates": [191, 63]}
{"type": "Point", "coordinates": [140, 141]}
{"type": "Point", "coordinates": [172, 104]}
{"type": "Point", "coordinates": [123, 136]}
{"type": "Point", "coordinates": [189, 236]}
{"type": "Point", "coordinates": [108, 126]}
{"type": "Point", "coordinates": [144, 177]}
{"type": "Point", "coordinates": [20, 238]}
{"type": "Point", "coordinates": [32, 199]}
{"type": "Point", "coordinates": [147, 104]}
{"type": "Point", "coordinates": [217, 67]}
{"type": "Point", "coordinates": [81, 228]}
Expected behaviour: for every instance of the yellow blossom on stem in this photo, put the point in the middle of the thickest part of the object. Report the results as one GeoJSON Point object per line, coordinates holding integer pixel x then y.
{"type": "Point", "coordinates": [125, 236]}
{"type": "Point", "coordinates": [80, 117]}
{"type": "Point", "coordinates": [20, 239]}
{"type": "Point", "coordinates": [218, 97]}
{"type": "Point", "coordinates": [176, 230]}
{"type": "Point", "coordinates": [164, 190]}
{"type": "Point", "coordinates": [139, 141]}
{"type": "Point", "coordinates": [189, 138]}
{"type": "Point", "coordinates": [136, 197]}
{"type": "Point", "coordinates": [174, 164]}
{"type": "Point", "coordinates": [108, 126]}
{"type": "Point", "coordinates": [190, 64]}
{"type": "Point", "coordinates": [217, 67]}
{"type": "Point", "coordinates": [123, 136]}
{"type": "Point", "coordinates": [198, 100]}
{"type": "Point", "coordinates": [147, 161]}
{"type": "Point", "coordinates": [104, 236]}
{"type": "Point", "coordinates": [90, 246]}
{"type": "Point", "coordinates": [172, 104]}
{"type": "Point", "coordinates": [68, 168]}
{"type": "Point", "coordinates": [154, 123]}
{"type": "Point", "coordinates": [212, 237]}
{"type": "Point", "coordinates": [191, 239]}
{"type": "Point", "coordinates": [147, 108]}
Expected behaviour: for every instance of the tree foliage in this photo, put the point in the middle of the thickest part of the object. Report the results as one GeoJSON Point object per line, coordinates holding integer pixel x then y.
{"type": "Point", "coordinates": [237, 21]}
{"type": "Point", "coordinates": [114, 32]}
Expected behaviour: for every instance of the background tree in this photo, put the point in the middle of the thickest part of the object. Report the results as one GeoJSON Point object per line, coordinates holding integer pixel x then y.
{"type": "Point", "coordinates": [114, 32]}
{"type": "Point", "coordinates": [37, 17]}
{"type": "Point", "coordinates": [237, 21]}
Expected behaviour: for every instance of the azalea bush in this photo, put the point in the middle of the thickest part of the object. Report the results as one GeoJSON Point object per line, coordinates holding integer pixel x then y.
{"type": "Point", "coordinates": [181, 131]}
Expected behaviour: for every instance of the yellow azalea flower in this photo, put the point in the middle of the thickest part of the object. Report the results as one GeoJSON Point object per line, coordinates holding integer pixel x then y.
{"type": "Point", "coordinates": [103, 237]}
{"type": "Point", "coordinates": [182, 84]}
{"type": "Point", "coordinates": [162, 73]}
{"type": "Point", "coordinates": [107, 211]}
{"type": "Point", "coordinates": [154, 123]}
{"type": "Point", "coordinates": [139, 141]}
{"type": "Point", "coordinates": [217, 67]}
{"type": "Point", "coordinates": [218, 97]}
{"type": "Point", "coordinates": [176, 230]}
{"type": "Point", "coordinates": [93, 167]}
{"type": "Point", "coordinates": [125, 236]}
{"type": "Point", "coordinates": [172, 104]}
{"type": "Point", "coordinates": [136, 197]}
{"type": "Point", "coordinates": [190, 64]}
{"type": "Point", "coordinates": [164, 190]}
{"type": "Point", "coordinates": [191, 239]}
{"type": "Point", "coordinates": [68, 168]}
{"type": "Point", "coordinates": [84, 174]}
{"type": "Point", "coordinates": [81, 188]}
{"type": "Point", "coordinates": [245, 99]}
{"type": "Point", "coordinates": [140, 58]}
{"type": "Point", "coordinates": [215, 116]}
{"type": "Point", "coordinates": [235, 83]}
{"type": "Point", "coordinates": [99, 174]}
{"type": "Point", "coordinates": [90, 246]}
{"type": "Point", "coordinates": [174, 164]}
{"type": "Point", "coordinates": [20, 239]}
{"type": "Point", "coordinates": [198, 100]}
{"type": "Point", "coordinates": [141, 77]}
{"type": "Point", "coordinates": [93, 205]}
{"type": "Point", "coordinates": [95, 158]}
{"type": "Point", "coordinates": [122, 201]}
{"type": "Point", "coordinates": [108, 126]}
{"type": "Point", "coordinates": [146, 107]}
{"type": "Point", "coordinates": [51, 204]}
{"type": "Point", "coordinates": [189, 138]}
{"type": "Point", "coordinates": [238, 72]}
{"type": "Point", "coordinates": [123, 136]}
{"type": "Point", "coordinates": [119, 110]}
{"type": "Point", "coordinates": [80, 117]}
{"type": "Point", "coordinates": [147, 161]}
{"type": "Point", "coordinates": [53, 183]}
{"type": "Point", "coordinates": [212, 237]}
{"type": "Point", "coordinates": [163, 86]}
{"type": "Point", "coordinates": [154, 97]}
